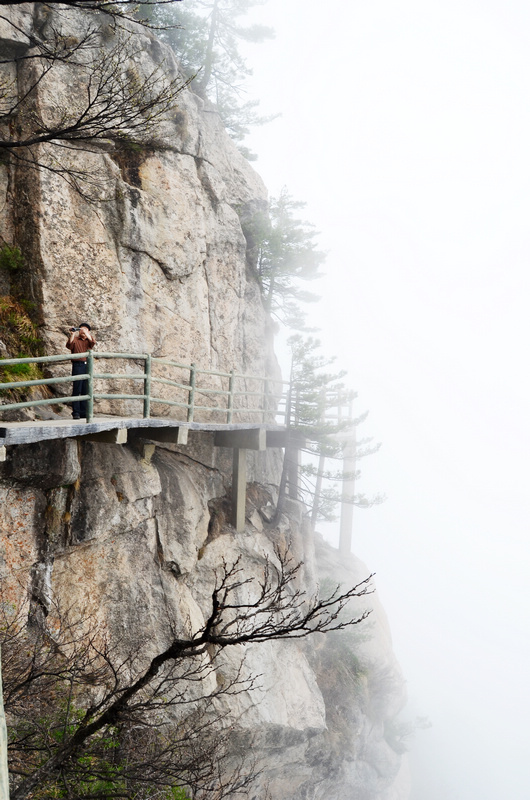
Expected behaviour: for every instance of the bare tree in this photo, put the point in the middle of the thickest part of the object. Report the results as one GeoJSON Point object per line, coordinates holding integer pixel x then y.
{"type": "Point", "coordinates": [105, 91]}
{"type": "Point", "coordinates": [118, 9]}
{"type": "Point", "coordinates": [86, 722]}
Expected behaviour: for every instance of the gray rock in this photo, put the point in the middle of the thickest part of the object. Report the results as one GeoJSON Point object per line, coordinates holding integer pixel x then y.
{"type": "Point", "coordinates": [131, 543]}
{"type": "Point", "coordinates": [47, 465]}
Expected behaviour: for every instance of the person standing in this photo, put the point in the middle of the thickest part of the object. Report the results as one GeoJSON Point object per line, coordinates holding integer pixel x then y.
{"type": "Point", "coordinates": [81, 340]}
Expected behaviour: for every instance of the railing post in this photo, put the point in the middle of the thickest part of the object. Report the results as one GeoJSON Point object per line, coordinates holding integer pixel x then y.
{"type": "Point", "coordinates": [231, 387]}
{"type": "Point", "coordinates": [147, 386]}
{"type": "Point", "coordinates": [90, 381]}
{"type": "Point", "coordinates": [191, 392]}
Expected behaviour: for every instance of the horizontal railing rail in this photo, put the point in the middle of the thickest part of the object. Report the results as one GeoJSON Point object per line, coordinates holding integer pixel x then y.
{"type": "Point", "coordinates": [267, 396]}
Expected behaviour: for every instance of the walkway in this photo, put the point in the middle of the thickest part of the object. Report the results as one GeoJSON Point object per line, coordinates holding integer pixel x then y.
{"type": "Point", "coordinates": [236, 400]}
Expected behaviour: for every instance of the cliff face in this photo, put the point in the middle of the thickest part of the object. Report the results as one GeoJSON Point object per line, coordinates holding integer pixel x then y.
{"type": "Point", "coordinates": [135, 544]}
{"type": "Point", "coordinates": [159, 265]}
{"type": "Point", "coordinates": [134, 538]}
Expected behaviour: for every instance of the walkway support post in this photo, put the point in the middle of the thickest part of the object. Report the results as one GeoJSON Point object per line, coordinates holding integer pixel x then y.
{"type": "Point", "coordinates": [90, 401]}
{"type": "Point", "coordinates": [239, 488]}
{"type": "Point", "coordinates": [4, 774]}
{"type": "Point", "coordinates": [240, 441]}
{"type": "Point", "coordinates": [147, 386]}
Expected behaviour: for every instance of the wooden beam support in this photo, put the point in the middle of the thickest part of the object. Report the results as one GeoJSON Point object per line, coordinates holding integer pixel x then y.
{"type": "Point", "coordinates": [250, 439]}
{"type": "Point", "coordinates": [114, 436]}
{"type": "Point", "coordinates": [239, 488]}
{"type": "Point", "coordinates": [3, 453]}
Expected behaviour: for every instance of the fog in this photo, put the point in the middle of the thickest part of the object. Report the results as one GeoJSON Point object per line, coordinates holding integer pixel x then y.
{"type": "Point", "coordinates": [406, 128]}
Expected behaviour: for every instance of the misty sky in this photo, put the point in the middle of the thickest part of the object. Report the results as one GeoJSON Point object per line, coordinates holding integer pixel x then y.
{"type": "Point", "coordinates": [406, 128]}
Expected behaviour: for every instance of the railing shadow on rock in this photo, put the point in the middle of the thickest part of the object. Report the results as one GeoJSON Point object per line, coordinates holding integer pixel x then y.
{"type": "Point", "coordinates": [246, 398]}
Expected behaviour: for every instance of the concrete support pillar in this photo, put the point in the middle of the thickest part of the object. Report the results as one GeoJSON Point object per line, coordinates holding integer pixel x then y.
{"type": "Point", "coordinates": [240, 441]}
{"type": "Point", "coordinates": [239, 488]}
{"type": "Point", "coordinates": [293, 457]}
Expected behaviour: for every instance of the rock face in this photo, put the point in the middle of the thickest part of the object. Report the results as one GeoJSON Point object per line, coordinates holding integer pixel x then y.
{"type": "Point", "coordinates": [136, 543]}
{"type": "Point", "coordinates": [161, 265]}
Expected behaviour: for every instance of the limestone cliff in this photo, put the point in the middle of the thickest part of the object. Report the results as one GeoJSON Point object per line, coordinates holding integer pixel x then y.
{"type": "Point", "coordinates": [160, 265]}
{"type": "Point", "coordinates": [135, 544]}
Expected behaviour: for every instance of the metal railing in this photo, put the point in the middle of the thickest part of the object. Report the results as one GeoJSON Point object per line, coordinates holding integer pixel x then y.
{"type": "Point", "coordinates": [265, 404]}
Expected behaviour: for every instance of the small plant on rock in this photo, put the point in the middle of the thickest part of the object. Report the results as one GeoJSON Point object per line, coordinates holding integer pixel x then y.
{"type": "Point", "coordinates": [20, 339]}
{"type": "Point", "coordinates": [11, 259]}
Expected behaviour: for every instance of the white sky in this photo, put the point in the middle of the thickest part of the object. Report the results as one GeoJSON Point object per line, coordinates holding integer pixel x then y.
{"type": "Point", "coordinates": [406, 129]}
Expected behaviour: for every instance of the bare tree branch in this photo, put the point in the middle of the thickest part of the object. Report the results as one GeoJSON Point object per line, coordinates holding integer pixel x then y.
{"type": "Point", "coordinates": [111, 94]}
{"type": "Point", "coordinates": [81, 714]}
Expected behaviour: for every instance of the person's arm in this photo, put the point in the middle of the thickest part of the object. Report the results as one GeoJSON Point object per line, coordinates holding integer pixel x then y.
{"type": "Point", "coordinates": [70, 340]}
{"type": "Point", "coordinates": [91, 339]}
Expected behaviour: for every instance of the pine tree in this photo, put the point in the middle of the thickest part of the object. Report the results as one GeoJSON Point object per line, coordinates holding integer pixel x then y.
{"type": "Point", "coordinates": [207, 42]}
{"type": "Point", "coordinates": [319, 430]}
{"type": "Point", "coordinates": [286, 255]}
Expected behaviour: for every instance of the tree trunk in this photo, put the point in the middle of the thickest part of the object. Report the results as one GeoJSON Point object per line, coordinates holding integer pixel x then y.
{"type": "Point", "coordinates": [202, 85]}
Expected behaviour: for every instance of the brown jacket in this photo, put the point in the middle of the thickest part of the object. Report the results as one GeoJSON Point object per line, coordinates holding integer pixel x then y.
{"type": "Point", "coordinates": [78, 345]}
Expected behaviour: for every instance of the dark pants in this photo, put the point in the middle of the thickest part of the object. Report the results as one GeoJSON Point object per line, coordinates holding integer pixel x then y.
{"type": "Point", "coordinates": [79, 387]}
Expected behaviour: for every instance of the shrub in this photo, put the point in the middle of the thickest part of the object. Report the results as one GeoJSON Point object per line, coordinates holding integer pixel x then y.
{"type": "Point", "coordinates": [21, 339]}
{"type": "Point", "coordinates": [11, 259]}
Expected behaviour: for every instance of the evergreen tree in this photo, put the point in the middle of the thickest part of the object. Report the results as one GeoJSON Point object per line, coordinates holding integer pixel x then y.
{"type": "Point", "coordinates": [286, 254]}
{"type": "Point", "coordinates": [321, 426]}
{"type": "Point", "coordinates": [206, 40]}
